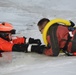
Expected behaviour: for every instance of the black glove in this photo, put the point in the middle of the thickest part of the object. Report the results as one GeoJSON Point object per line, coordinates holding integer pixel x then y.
{"type": "Point", "coordinates": [20, 47]}
{"type": "Point", "coordinates": [34, 41]}
{"type": "Point", "coordinates": [72, 23]}
{"type": "Point", "coordinates": [38, 48]}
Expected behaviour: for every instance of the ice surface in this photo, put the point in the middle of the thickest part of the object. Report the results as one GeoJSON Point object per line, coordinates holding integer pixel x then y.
{"type": "Point", "coordinates": [24, 15]}
{"type": "Point", "coordinates": [36, 64]}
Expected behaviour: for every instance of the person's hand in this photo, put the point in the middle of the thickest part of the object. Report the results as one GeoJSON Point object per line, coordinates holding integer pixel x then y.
{"type": "Point", "coordinates": [38, 48]}
{"type": "Point", "coordinates": [34, 41]}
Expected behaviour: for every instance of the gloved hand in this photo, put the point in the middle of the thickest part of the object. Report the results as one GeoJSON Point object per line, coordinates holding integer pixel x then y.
{"type": "Point", "coordinates": [72, 23]}
{"type": "Point", "coordinates": [34, 41]}
{"type": "Point", "coordinates": [38, 48]}
{"type": "Point", "coordinates": [20, 47]}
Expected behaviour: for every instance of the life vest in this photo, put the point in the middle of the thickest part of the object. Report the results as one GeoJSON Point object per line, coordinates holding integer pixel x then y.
{"type": "Point", "coordinates": [57, 20]}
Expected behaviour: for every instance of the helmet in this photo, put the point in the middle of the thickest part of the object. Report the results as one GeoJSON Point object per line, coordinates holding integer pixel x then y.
{"type": "Point", "coordinates": [5, 28]}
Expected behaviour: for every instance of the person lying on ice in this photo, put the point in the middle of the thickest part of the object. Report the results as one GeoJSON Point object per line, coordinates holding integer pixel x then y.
{"type": "Point", "coordinates": [59, 37]}
{"type": "Point", "coordinates": [9, 43]}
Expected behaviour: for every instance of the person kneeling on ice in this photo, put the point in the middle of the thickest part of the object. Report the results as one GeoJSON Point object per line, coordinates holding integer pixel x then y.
{"type": "Point", "coordinates": [10, 43]}
{"type": "Point", "coordinates": [59, 37]}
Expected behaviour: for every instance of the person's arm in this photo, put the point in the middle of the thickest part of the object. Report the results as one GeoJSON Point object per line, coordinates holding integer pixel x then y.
{"type": "Point", "coordinates": [42, 49]}
{"type": "Point", "coordinates": [22, 40]}
{"type": "Point", "coordinates": [18, 40]}
{"type": "Point", "coordinates": [7, 46]}
{"type": "Point", "coordinates": [28, 48]}
{"type": "Point", "coordinates": [52, 47]}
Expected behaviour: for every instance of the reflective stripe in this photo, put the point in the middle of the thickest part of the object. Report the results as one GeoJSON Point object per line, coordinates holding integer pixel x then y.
{"type": "Point", "coordinates": [70, 33]}
{"type": "Point", "coordinates": [29, 48]}
{"type": "Point", "coordinates": [27, 40]}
